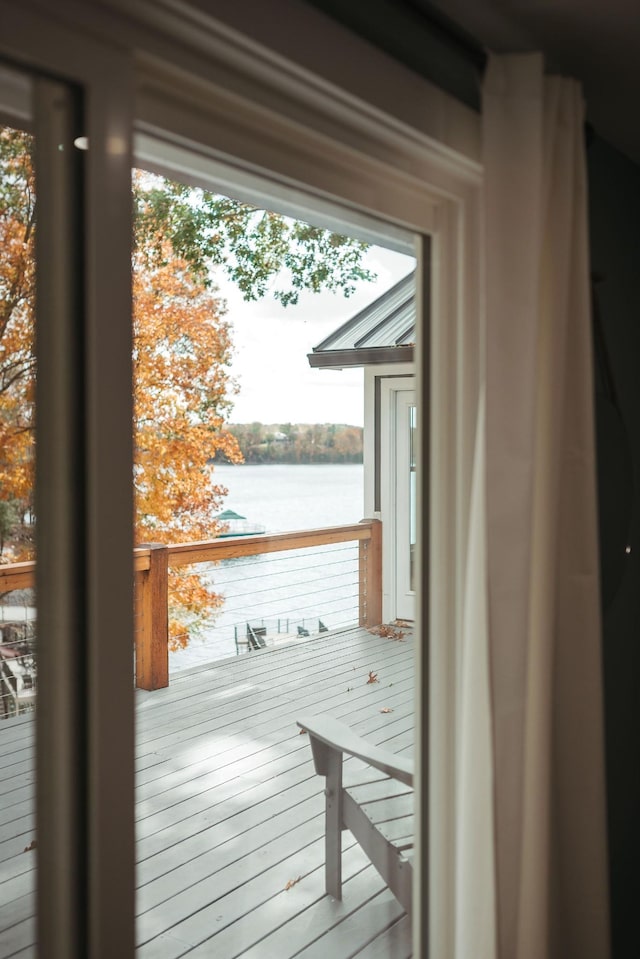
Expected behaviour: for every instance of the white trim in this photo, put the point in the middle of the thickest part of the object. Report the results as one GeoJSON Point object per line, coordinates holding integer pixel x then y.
{"type": "Point", "coordinates": [390, 385]}
{"type": "Point", "coordinates": [371, 374]}
{"type": "Point", "coordinates": [280, 145]}
{"type": "Point", "coordinates": [199, 169]}
{"type": "Point", "coordinates": [315, 70]}
{"type": "Point", "coordinates": [405, 520]}
{"type": "Point", "coordinates": [387, 495]}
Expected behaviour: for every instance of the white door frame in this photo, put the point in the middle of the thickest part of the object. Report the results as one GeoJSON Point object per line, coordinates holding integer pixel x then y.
{"type": "Point", "coordinates": [241, 91]}
{"type": "Point", "coordinates": [391, 387]}
{"type": "Point", "coordinates": [406, 523]}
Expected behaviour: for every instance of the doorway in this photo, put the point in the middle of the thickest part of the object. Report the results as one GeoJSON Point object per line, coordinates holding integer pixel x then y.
{"type": "Point", "coordinates": [398, 489]}
{"type": "Point", "coordinates": [405, 495]}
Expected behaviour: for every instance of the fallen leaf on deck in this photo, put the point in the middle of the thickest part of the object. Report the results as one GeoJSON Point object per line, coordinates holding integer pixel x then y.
{"type": "Point", "coordinates": [32, 845]}
{"type": "Point", "coordinates": [386, 710]}
{"type": "Point", "coordinates": [387, 632]}
{"type": "Point", "coordinates": [292, 883]}
{"type": "Point", "coordinates": [303, 732]}
{"type": "Point", "coordinates": [373, 678]}
{"type": "Point", "coordinates": [403, 623]}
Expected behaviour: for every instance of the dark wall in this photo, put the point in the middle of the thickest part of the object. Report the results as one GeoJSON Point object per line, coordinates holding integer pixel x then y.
{"type": "Point", "coordinates": [614, 200]}
{"type": "Point", "coordinates": [419, 36]}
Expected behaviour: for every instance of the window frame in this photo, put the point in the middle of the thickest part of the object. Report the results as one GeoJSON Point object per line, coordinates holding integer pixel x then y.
{"type": "Point", "coordinates": [89, 788]}
{"type": "Point", "coordinates": [208, 84]}
{"type": "Point", "coordinates": [392, 507]}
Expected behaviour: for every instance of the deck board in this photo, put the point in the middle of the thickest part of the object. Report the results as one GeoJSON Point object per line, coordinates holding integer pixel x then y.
{"type": "Point", "coordinates": [229, 809]}
{"type": "Point", "coordinates": [308, 925]}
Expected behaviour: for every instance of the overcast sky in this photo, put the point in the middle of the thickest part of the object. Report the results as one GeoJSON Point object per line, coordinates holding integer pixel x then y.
{"type": "Point", "coordinates": [271, 342]}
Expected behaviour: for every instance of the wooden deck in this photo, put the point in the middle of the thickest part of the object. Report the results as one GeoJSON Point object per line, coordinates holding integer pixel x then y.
{"type": "Point", "coordinates": [230, 810]}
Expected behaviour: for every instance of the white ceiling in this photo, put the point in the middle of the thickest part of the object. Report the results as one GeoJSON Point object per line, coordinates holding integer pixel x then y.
{"type": "Point", "coordinates": [597, 41]}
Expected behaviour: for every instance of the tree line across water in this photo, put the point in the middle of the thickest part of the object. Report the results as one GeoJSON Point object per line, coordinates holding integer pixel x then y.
{"type": "Point", "coordinates": [298, 442]}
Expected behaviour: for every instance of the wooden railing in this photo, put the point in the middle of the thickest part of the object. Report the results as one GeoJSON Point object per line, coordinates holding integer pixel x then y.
{"type": "Point", "coordinates": [151, 568]}
{"type": "Point", "coordinates": [17, 576]}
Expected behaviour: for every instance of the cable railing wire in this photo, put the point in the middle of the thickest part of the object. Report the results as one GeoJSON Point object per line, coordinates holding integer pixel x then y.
{"type": "Point", "coordinates": [292, 593]}
{"type": "Point", "coordinates": [292, 597]}
{"type": "Point", "coordinates": [267, 589]}
{"type": "Point", "coordinates": [286, 597]}
{"type": "Point", "coordinates": [271, 558]}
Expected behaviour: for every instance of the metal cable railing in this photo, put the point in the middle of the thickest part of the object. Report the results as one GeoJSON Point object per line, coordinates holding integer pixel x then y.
{"type": "Point", "coordinates": [286, 597]}
{"type": "Point", "coordinates": [275, 588]}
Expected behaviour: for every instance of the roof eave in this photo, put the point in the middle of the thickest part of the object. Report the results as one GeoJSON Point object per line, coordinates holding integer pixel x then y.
{"type": "Point", "coordinates": [372, 356]}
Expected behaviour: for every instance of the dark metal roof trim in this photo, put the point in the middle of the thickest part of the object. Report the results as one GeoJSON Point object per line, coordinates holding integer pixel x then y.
{"type": "Point", "coordinates": [360, 326]}
{"type": "Point", "coordinates": [387, 323]}
{"type": "Point", "coordinates": [372, 356]}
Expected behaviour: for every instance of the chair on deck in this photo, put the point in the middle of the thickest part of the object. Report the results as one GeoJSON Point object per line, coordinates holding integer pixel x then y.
{"type": "Point", "coordinates": [378, 812]}
{"type": "Point", "coordinates": [17, 682]}
{"type": "Point", "coordinates": [256, 637]}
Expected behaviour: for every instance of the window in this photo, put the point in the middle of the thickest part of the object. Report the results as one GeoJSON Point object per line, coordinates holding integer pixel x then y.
{"type": "Point", "coordinates": [263, 113]}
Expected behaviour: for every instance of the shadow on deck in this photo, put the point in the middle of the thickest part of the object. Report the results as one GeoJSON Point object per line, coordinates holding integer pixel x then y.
{"type": "Point", "coordinates": [229, 809]}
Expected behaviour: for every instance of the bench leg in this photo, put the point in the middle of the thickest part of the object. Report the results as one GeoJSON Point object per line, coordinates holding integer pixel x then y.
{"type": "Point", "coordinates": [333, 825]}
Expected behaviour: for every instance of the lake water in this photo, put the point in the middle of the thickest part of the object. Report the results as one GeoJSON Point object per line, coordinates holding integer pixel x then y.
{"type": "Point", "coordinates": [285, 497]}
{"type": "Point", "coordinates": [283, 592]}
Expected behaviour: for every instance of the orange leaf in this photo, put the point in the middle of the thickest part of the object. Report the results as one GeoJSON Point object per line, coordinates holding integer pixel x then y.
{"type": "Point", "coordinates": [387, 632]}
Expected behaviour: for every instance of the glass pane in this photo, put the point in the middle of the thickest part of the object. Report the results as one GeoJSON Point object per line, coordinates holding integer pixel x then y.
{"type": "Point", "coordinates": [18, 619]}
{"type": "Point", "coordinates": [230, 809]}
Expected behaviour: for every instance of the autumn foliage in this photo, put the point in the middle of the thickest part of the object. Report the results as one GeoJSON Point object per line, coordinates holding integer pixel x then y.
{"type": "Point", "coordinates": [182, 390]}
{"type": "Point", "coordinates": [17, 231]}
{"type": "Point", "coordinates": [299, 442]}
{"type": "Point", "coordinates": [182, 349]}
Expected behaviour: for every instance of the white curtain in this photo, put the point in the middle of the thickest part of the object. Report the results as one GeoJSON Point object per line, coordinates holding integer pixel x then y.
{"type": "Point", "coordinates": [475, 876]}
{"type": "Point", "coordinates": [531, 844]}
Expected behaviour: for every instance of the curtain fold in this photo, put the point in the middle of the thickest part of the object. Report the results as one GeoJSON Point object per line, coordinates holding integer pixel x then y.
{"type": "Point", "coordinates": [475, 914]}
{"type": "Point", "coordinates": [530, 675]}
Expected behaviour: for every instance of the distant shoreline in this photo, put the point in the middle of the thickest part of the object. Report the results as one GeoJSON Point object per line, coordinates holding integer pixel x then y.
{"type": "Point", "coordinates": [292, 444]}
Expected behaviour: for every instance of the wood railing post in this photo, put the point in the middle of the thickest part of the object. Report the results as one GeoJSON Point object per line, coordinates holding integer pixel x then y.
{"type": "Point", "coordinates": [370, 567]}
{"type": "Point", "coordinates": [152, 638]}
